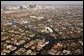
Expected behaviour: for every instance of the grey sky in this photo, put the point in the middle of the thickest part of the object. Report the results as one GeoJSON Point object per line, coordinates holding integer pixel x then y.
{"type": "Point", "coordinates": [41, 2]}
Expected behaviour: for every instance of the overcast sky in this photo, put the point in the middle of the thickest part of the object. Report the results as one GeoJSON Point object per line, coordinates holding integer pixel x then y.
{"type": "Point", "coordinates": [41, 2]}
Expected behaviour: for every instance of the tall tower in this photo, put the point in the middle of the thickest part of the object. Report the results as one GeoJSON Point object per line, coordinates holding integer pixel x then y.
{"type": "Point", "coordinates": [31, 5]}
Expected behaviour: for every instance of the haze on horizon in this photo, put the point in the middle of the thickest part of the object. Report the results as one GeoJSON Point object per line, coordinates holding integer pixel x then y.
{"type": "Point", "coordinates": [41, 2]}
